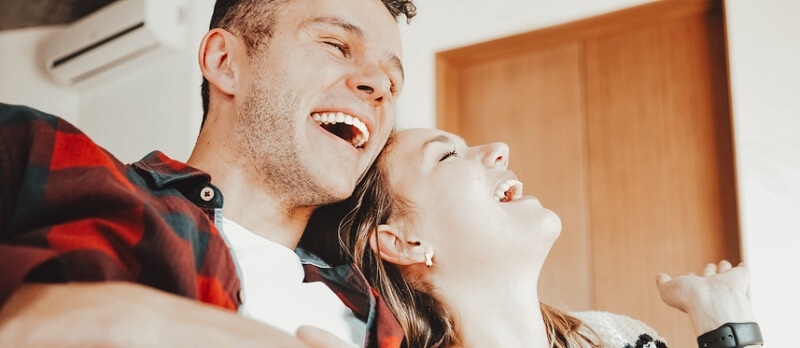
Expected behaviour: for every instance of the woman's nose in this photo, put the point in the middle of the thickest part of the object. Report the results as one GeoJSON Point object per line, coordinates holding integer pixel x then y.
{"type": "Point", "coordinates": [495, 155]}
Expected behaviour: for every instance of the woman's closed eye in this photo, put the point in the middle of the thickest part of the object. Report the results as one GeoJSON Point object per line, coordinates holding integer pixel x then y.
{"type": "Point", "coordinates": [448, 154]}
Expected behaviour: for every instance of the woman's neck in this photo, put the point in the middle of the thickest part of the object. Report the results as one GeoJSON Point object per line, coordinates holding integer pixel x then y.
{"type": "Point", "coordinates": [497, 317]}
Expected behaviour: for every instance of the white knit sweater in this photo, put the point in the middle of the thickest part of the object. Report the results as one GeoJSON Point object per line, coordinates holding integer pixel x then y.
{"type": "Point", "coordinates": [619, 331]}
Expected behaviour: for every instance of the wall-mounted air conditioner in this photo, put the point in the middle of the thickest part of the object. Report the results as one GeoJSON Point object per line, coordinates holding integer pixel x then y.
{"type": "Point", "coordinates": [117, 38]}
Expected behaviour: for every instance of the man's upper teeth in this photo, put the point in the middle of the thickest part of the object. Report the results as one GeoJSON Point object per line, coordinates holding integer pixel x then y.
{"type": "Point", "coordinates": [508, 190]}
{"type": "Point", "coordinates": [340, 117]}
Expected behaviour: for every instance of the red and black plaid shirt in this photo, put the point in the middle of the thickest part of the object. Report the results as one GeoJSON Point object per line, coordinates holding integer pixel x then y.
{"type": "Point", "coordinates": [72, 212]}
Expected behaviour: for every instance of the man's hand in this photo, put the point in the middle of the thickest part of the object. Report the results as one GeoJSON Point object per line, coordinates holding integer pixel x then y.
{"type": "Point", "coordinates": [716, 298]}
{"type": "Point", "coordinates": [315, 337]}
{"type": "Point", "coordinates": [125, 314]}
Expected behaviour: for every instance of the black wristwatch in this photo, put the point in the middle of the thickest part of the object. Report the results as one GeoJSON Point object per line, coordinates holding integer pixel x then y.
{"type": "Point", "coordinates": [732, 335]}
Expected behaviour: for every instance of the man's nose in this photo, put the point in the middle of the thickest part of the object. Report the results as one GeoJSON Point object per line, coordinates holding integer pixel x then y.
{"type": "Point", "coordinates": [371, 84]}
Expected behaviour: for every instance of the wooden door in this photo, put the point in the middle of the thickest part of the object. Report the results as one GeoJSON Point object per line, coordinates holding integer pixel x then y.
{"type": "Point", "coordinates": [621, 125]}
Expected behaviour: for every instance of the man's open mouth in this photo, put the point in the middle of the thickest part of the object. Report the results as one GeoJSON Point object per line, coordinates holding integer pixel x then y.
{"type": "Point", "coordinates": [344, 126]}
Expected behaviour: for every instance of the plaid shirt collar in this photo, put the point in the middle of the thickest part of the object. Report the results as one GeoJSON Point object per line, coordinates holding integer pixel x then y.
{"type": "Point", "coordinates": [165, 171]}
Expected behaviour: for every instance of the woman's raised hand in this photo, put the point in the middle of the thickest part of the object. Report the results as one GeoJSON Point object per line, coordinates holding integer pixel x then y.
{"type": "Point", "coordinates": [717, 297]}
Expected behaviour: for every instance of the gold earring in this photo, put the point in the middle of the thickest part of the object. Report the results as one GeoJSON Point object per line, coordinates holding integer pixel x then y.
{"type": "Point", "coordinates": [428, 259]}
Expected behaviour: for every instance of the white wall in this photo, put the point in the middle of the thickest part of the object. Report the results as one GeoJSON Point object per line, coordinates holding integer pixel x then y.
{"type": "Point", "coordinates": [23, 81]}
{"type": "Point", "coordinates": [145, 110]}
{"type": "Point", "coordinates": [764, 46]}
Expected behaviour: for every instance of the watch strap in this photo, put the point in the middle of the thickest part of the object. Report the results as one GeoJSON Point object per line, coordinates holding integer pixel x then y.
{"type": "Point", "coordinates": [732, 335]}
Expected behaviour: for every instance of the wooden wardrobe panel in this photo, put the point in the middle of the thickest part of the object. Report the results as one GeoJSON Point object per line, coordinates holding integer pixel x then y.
{"type": "Point", "coordinates": [661, 178]}
{"type": "Point", "coordinates": [534, 102]}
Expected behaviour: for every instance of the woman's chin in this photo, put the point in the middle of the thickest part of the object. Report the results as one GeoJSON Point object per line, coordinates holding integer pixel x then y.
{"type": "Point", "coordinates": [544, 222]}
{"type": "Point", "coordinates": [552, 224]}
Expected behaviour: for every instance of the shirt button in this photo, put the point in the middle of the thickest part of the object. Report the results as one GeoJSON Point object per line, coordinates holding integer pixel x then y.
{"type": "Point", "coordinates": [207, 194]}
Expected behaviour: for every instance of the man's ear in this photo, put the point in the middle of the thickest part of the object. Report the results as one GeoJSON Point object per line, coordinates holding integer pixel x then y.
{"type": "Point", "coordinates": [216, 54]}
{"type": "Point", "coordinates": [391, 245]}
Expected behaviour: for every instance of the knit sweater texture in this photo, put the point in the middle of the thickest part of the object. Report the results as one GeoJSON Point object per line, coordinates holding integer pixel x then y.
{"type": "Point", "coordinates": [619, 331]}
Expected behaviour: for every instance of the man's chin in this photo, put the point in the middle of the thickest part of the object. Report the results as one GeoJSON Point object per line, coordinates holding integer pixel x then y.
{"type": "Point", "coordinates": [331, 193]}
{"type": "Point", "coordinates": [341, 193]}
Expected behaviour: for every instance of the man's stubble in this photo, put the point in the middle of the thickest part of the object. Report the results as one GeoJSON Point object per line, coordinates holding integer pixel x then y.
{"type": "Point", "coordinates": [270, 130]}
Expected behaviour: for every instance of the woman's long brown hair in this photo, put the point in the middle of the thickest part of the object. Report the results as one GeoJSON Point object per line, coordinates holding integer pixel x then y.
{"type": "Point", "coordinates": [426, 321]}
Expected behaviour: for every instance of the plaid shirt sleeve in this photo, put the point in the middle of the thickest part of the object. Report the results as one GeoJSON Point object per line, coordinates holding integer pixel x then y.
{"type": "Point", "coordinates": [70, 211]}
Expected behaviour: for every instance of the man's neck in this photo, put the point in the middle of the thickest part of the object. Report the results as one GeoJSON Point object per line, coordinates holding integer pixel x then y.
{"type": "Point", "coordinates": [247, 200]}
{"type": "Point", "coordinates": [261, 214]}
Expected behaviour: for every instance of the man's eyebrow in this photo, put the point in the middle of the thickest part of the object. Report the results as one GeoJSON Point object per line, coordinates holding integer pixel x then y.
{"type": "Point", "coordinates": [357, 31]}
{"type": "Point", "coordinates": [335, 21]}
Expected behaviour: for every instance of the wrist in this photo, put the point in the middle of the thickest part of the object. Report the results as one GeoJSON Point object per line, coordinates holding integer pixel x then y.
{"type": "Point", "coordinates": [725, 309]}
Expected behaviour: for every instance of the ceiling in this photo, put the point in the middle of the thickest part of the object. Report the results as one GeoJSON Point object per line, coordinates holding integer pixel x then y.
{"type": "Point", "coordinates": [18, 14]}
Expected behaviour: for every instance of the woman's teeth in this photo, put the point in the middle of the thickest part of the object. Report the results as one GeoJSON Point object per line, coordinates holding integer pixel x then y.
{"type": "Point", "coordinates": [508, 190]}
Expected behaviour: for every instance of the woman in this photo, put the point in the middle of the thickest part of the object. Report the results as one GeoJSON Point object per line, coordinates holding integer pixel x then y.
{"type": "Point", "coordinates": [445, 234]}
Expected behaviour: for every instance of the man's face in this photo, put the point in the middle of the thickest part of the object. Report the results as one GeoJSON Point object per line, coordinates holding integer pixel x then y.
{"type": "Point", "coordinates": [320, 98]}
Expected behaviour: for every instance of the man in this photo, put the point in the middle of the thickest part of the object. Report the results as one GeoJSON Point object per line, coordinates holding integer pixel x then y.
{"type": "Point", "coordinates": [299, 98]}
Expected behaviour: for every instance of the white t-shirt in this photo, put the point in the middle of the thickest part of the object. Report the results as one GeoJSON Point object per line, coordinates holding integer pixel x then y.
{"type": "Point", "coordinates": [273, 291]}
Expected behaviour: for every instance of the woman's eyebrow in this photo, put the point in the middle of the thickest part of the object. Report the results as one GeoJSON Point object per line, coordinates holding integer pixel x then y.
{"type": "Point", "coordinates": [437, 139]}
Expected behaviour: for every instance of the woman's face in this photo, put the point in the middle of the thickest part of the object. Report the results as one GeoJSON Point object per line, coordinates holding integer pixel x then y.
{"type": "Point", "coordinates": [466, 204]}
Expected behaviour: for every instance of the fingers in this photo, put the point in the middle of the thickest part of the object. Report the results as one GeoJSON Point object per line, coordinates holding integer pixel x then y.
{"type": "Point", "coordinates": [662, 278]}
{"type": "Point", "coordinates": [724, 266]}
{"type": "Point", "coordinates": [710, 270]}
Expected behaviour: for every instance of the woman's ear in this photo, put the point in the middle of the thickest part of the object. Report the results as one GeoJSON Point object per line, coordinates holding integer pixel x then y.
{"type": "Point", "coordinates": [216, 57]}
{"type": "Point", "coordinates": [391, 245]}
